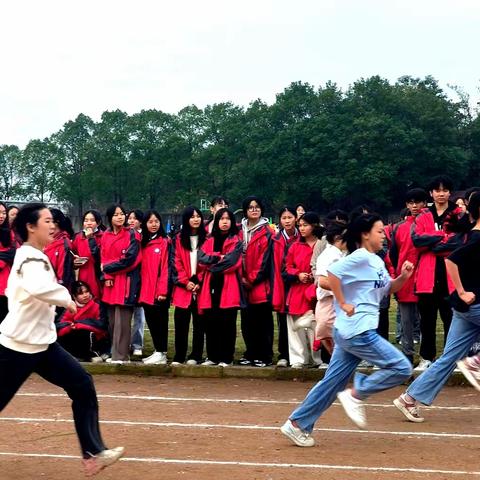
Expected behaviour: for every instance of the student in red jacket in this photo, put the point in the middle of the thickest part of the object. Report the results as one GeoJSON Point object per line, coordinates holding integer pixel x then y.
{"type": "Point", "coordinates": [86, 247]}
{"type": "Point", "coordinates": [59, 251]}
{"type": "Point", "coordinates": [84, 334]}
{"type": "Point", "coordinates": [120, 256]}
{"type": "Point", "coordinates": [287, 234]}
{"type": "Point", "coordinates": [7, 254]}
{"type": "Point", "coordinates": [221, 293]}
{"type": "Point", "coordinates": [402, 249]}
{"type": "Point", "coordinates": [301, 297]}
{"type": "Point", "coordinates": [257, 319]}
{"type": "Point", "coordinates": [186, 279]}
{"type": "Point", "coordinates": [430, 230]}
{"type": "Point", "coordinates": [154, 284]}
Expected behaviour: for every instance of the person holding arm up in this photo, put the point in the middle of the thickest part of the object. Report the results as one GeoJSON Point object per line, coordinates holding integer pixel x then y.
{"type": "Point", "coordinates": [358, 282]}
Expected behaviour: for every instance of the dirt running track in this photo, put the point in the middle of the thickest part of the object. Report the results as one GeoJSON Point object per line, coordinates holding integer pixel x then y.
{"type": "Point", "coordinates": [185, 428]}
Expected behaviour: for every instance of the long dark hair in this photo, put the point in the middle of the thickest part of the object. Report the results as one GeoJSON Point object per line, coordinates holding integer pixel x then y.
{"type": "Point", "coordinates": [362, 224]}
{"type": "Point", "coordinates": [233, 230]}
{"type": "Point", "coordinates": [186, 230]}
{"type": "Point", "coordinates": [111, 211]}
{"type": "Point", "coordinates": [5, 234]}
{"type": "Point", "coordinates": [146, 235]}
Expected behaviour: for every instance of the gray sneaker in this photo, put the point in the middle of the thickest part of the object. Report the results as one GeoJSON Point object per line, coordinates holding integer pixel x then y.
{"type": "Point", "coordinates": [296, 435]}
{"type": "Point", "coordinates": [104, 459]}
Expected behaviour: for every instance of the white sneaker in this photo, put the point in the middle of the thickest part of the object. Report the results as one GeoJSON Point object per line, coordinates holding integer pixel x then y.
{"type": "Point", "coordinates": [98, 462]}
{"type": "Point", "coordinates": [224, 364]}
{"type": "Point", "coordinates": [353, 407]}
{"type": "Point", "coordinates": [192, 362]}
{"type": "Point", "coordinates": [138, 352]}
{"type": "Point", "coordinates": [296, 435]}
{"type": "Point", "coordinates": [96, 359]}
{"type": "Point", "coordinates": [117, 362]}
{"type": "Point", "coordinates": [423, 365]}
{"type": "Point", "coordinates": [470, 371]}
{"type": "Point", "coordinates": [282, 363]}
{"type": "Point", "coordinates": [297, 366]}
{"type": "Point", "coordinates": [176, 364]}
{"type": "Point", "coordinates": [208, 363]}
{"type": "Point", "coordinates": [156, 358]}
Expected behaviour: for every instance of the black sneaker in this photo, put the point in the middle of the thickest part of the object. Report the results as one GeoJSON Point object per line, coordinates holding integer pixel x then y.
{"type": "Point", "coordinates": [244, 361]}
{"type": "Point", "coordinates": [261, 363]}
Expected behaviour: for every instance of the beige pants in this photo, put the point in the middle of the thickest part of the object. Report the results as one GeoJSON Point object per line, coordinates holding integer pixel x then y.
{"type": "Point", "coordinates": [300, 342]}
{"type": "Point", "coordinates": [119, 318]}
{"type": "Point", "coordinates": [325, 318]}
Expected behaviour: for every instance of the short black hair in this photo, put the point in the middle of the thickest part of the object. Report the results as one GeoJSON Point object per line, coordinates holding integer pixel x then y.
{"type": "Point", "coordinates": [416, 194]}
{"type": "Point", "coordinates": [246, 203]}
{"type": "Point", "coordinates": [474, 206]}
{"type": "Point", "coordinates": [218, 199]}
{"type": "Point", "coordinates": [233, 230]}
{"type": "Point", "coordinates": [335, 230]}
{"type": "Point", "coordinates": [27, 215]}
{"type": "Point", "coordinates": [287, 208]}
{"type": "Point", "coordinates": [146, 237]}
{"type": "Point", "coordinates": [62, 221]}
{"type": "Point", "coordinates": [441, 180]}
{"type": "Point", "coordinates": [470, 191]}
{"type": "Point", "coordinates": [314, 220]}
{"type": "Point", "coordinates": [138, 214]}
{"type": "Point", "coordinates": [78, 285]}
{"type": "Point", "coordinates": [111, 211]}
{"type": "Point", "coordinates": [337, 215]}
{"type": "Point", "coordinates": [96, 215]}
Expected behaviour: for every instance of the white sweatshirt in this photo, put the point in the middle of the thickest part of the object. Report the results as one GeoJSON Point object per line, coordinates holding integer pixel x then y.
{"type": "Point", "coordinates": [33, 293]}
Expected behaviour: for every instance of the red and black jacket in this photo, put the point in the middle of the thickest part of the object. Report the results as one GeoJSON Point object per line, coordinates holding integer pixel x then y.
{"type": "Point", "coordinates": [297, 260]}
{"type": "Point", "coordinates": [154, 270]}
{"type": "Point", "coordinates": [120, 256]}
{"type": "Point", "coordinates": [7, 254]}
{"type": "Point", "coordinates": [230, 267]}
{"type": "Point", "coordinates": [61, 258]}
{"type": "Point", "coordinates": [181, 273]}
{"type": "Point", "coordinates": [257, 265]}
{"type": "Point", "coordinates": [91, 317]}
{"type": "Point", "coordinates": [431, 242]}
{"type": "Point", "coordinates": [90, 272]}
{"type": "Point", "coordinates": [401, 250]}
{"type": "Point", "coordinates": [279, 287]}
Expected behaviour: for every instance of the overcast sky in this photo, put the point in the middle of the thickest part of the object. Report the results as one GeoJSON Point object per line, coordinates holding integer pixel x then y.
{"type": "Point", "coordinates": [62, 58]}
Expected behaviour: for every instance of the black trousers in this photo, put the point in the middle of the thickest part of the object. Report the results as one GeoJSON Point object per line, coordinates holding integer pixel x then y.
{"type": "Point", "coordinates": [221, 330]}
{"type": "Point", "coordinates": [429, 304]}
{"type": "Point", "coordinates": [383, 322]}
{"type": "Point", "coordinates": [83, 345]}
{"type": "Point", "coordinates": [156, 317]}
{"type": "Point", "coordinates": [282, 336]}
{"type": "Point", "coordinates": [3, 307]}
{"type": "Point", "coordinates": [257, 332]}
{"type": "Point", "coordinates": [58, 367]}
{"type": "Point", "coordinates": [182, 326]}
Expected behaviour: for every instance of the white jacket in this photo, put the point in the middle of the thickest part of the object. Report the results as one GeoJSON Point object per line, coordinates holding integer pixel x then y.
{"type": "Point", "coordinates": [33, 293]}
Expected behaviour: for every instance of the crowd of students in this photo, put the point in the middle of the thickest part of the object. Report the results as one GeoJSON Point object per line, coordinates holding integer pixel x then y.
{"type": "Point", "coordinates": [129, 273]}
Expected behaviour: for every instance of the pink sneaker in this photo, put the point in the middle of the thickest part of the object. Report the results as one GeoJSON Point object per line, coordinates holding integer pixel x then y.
{"type": "Point", "coordinates": [101, 460]}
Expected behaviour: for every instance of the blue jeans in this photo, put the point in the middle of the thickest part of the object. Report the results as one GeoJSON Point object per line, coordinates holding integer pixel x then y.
{"type": "Point", "coordinates": [138, 328]}
{"type": "Point", "coordinates": [347, 354]}
{"type": "Point", "coordinates": [464, 330]}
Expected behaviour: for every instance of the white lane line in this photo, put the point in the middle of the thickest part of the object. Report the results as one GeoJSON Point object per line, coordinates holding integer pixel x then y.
{"type": "Point", "coordinates": [230, 400]}
{"type": "Point", "coordinates": [315, 466]}
{"type": "Point", "coordinates": [243, 427]}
